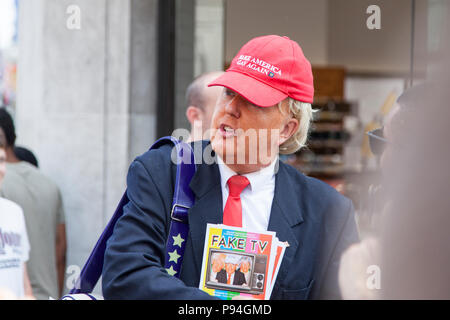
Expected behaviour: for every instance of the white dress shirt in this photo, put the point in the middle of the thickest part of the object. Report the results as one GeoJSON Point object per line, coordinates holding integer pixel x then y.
{"type": "Point", "coordinates": [256, 198]}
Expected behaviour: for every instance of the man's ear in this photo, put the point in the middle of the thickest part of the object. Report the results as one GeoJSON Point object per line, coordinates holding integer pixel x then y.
{"type": "Point", "coordinates": [194, 114]}
{"type": "Point", "coordinates": [289, 128]}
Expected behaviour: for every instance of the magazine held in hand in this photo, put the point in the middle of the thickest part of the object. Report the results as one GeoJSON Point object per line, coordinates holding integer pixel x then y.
{"type": "Point", "coordinates": [240, 262]}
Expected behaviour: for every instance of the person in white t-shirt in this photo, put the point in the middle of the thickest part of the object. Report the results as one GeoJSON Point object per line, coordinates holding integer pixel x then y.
{"type": "Point", "coordinates": [14, 246]}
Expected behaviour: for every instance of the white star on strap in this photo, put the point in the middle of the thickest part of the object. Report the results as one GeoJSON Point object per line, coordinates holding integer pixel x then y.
{"type": "Point", "coordinates": [171, 271]}
{"type": "Point", "coordinates": [174, 256]}
{"type": "Point", "coordinates": [178, 240]}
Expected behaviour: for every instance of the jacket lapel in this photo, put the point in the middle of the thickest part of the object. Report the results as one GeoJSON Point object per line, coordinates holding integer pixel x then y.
{"type": "Point", "coordinates": [207, 208]}
{"type": "Point", "coordinates": [285, 215]}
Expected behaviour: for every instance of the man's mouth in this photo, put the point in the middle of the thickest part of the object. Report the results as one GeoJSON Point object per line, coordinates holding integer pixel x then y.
{"type": "Point", "coordinates": [227, 131]}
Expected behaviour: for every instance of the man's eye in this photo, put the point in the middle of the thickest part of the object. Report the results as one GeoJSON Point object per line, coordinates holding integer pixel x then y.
{"type": "Point", "coordinates": [229, 93]}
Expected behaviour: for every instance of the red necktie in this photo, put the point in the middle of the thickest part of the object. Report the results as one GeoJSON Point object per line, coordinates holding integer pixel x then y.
{"type": "Point", "coordinates": [232, 214]}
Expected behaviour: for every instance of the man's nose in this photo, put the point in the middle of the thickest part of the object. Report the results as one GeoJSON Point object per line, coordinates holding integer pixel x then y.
{"type": "Point", "coordinates": [233, 107]}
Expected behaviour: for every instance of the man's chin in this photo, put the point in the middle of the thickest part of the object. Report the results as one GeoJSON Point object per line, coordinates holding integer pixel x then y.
{"type": "Point", "coordinates": [220, 148]}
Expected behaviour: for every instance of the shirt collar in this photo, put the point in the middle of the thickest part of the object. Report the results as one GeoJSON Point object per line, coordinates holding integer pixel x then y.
{"type": "Point", "coordinates": [258, 179]}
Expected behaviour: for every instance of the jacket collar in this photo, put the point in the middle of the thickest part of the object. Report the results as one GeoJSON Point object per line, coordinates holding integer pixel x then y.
{"type": "Point", "coordinates": [286, 201]}
{"type": "Point", "coordinates": [285, 217]}
{"type": "Point", "coordinates": [207, 207]}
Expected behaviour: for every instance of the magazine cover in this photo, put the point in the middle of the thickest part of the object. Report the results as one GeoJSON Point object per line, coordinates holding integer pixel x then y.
{"type": "Point", "coordinates": [239, 262]}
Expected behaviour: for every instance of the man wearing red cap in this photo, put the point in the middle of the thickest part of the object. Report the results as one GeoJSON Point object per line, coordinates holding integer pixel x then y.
{"type": "Point", "coordinates": [264, 110]}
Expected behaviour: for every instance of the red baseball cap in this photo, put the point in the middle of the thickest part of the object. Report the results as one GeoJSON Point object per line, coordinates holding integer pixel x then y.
{"type": "Point", "coordinates": [269, 69]}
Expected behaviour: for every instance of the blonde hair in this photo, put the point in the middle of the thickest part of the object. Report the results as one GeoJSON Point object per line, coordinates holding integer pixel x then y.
{"type": "Point", "coordinates": [303, 112]}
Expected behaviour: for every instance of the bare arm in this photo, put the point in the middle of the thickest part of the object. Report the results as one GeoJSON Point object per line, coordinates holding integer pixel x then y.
{"type": "Point", "coordinates": [26, 283]}
{"type": "Point", "coordinates": [61, 246]}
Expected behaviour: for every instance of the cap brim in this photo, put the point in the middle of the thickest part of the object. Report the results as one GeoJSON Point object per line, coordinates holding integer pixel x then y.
{"type": "Point", "coordinates": [249, 88]}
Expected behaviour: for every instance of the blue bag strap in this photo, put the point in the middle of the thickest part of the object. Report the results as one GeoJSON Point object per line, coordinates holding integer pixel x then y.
{"type": "Point", "coordinates": [183, 199]}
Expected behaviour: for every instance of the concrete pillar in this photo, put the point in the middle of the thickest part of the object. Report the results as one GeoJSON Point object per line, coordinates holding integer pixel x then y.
{"type": "Point", "coordinates": [143, 76]}
{"type": "Point", "coordinates": [184, 57]}
{"type": "Point", "coordinates": [209, 34]}
{"type": "Point", "coordinates": [86, 102]}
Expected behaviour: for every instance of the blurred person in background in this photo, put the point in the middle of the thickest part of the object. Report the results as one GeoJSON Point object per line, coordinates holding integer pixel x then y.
{"type": "Point", "coordinates": [410, 246]}
{"type": "Point", "coordinates": [201, 101]}
{"type": "Point", "coordinates": [14, 245]}
{"type": "Point", "coordinates": [42, 205]}
{"type": "Point", "coordinates": [414, 249]}
{"type": "Point", "coordinates": [24, 154]}
{"type": "Point", "coordinates": [360, 262]}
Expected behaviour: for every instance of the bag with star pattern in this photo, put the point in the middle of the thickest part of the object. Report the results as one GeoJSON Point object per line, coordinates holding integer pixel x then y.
{"type": "Point", "coordinates": [183, 199]}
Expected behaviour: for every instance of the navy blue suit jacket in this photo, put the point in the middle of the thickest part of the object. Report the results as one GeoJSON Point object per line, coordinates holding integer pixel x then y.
{"type": "Point", "coordinates": [316, 221]}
